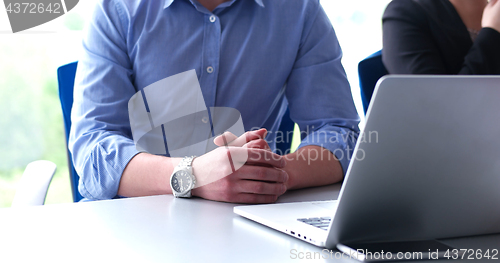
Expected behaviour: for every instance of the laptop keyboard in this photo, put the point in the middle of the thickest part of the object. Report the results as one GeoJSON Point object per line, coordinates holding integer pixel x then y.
{"type": "Point", "coordinates": [319, 222]}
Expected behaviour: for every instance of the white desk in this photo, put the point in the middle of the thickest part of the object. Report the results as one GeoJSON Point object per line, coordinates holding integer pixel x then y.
{"type": "Point", "coordinates": [159, 229]}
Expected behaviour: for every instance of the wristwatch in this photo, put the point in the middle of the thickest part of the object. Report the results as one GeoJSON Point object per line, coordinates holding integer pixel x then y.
{"type": "Point", "coordinates": [182, 179]}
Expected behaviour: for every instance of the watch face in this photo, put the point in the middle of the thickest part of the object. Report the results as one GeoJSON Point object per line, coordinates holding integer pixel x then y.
{"type": "Point", "coordinates": [181, 181]}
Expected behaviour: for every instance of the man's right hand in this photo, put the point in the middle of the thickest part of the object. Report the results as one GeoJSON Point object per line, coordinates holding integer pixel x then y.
{"type": "Point", "coordinates": [260, 178]}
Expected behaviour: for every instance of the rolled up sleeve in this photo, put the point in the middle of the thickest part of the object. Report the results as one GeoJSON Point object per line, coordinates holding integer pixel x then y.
{"type": "Point", "coordinates": [100, 138]}
{"type": "Point", "coordinates": [319, 94]}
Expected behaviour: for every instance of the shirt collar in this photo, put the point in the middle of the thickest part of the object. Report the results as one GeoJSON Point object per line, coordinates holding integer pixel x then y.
{"type": "Point", "coordinates": [169, 2]}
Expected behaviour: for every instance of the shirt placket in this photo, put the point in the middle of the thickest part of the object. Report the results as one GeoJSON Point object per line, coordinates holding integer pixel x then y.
{"type": "Point", "coordinates": [210, 61]}
{"type": "Point", "coordinates": [208, 78]}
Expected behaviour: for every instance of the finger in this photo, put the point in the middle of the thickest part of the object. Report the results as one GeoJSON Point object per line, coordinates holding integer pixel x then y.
{"type": "Point", "coordinates": [258, 134]}
{"type": "Point", "coordinates": [265, 157]}
{"type": "Point", "coordinates": [491, 3]}
{"type": "Point", "coordinates": [257, 144]}
{"type": "Point", "coordinates": [239, 156]}
{"type": "Point", "coordinates": [249, 136]}
{"type": "Point", "coordinates": [261, 173]}
{"type": "Point", "coordinates": [247, 198]}
{"type": "Point", "coordinates": [225, 139]}
{"type": "Point", "coordinates": [262, 188]}
{"type": "Point", "coordinates": [240, 141]}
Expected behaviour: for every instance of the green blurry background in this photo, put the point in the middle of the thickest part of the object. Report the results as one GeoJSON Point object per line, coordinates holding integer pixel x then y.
{"type": "Point", "coordinates": [31, 126]}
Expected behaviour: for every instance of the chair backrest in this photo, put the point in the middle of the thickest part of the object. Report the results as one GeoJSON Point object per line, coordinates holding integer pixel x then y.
{"type": "Point", "coordinates": [66, 81]}
{"type": "Point", "coordinates": [370, 70]}
{"type": "Point", "coordinates": [286, 127]}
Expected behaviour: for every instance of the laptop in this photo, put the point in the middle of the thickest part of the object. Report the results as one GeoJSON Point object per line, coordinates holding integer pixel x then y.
{"type": "Point", "coordinates": [426, 166]}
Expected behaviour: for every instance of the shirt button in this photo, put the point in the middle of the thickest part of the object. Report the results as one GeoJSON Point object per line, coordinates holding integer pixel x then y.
{"type": "Point", "coordinates": [210, 70]}
{"type": "Point", "coordinates": [204, 119]}
{"type": "Point", "coordinates": [212, 18]}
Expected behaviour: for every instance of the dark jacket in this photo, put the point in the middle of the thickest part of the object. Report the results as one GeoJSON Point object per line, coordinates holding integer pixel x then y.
{"type": "Point", "coordinates": [429, 37]}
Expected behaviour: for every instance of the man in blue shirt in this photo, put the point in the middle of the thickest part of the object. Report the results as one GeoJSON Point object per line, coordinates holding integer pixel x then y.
{"type": "Point", "coordinates": [257, 56]}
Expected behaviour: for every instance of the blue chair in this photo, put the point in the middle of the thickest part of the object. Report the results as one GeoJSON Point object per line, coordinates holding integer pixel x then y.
{"type": "Point", "coordinates": [370, 70]}
{"type": "Point", "coordinates": [286, 126]}
{"type": "Point", "coordinates": [66, 81]}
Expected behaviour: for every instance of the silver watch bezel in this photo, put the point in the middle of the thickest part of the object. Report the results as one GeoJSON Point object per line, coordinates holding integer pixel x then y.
{"type": "Point", "coordinates": [191, 183]}
{"type": "Point", "coordinates": [186, 166]}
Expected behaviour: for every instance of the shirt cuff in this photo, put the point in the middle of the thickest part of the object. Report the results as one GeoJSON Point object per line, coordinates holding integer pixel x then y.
{"type": "Point", "coordinates": [339, 141]}
{"type": "Point", "coordinates": [103, 169]}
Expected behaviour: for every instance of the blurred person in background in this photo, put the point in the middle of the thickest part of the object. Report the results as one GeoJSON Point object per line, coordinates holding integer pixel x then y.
{"type": "Point", "coordinates": [442, 37]}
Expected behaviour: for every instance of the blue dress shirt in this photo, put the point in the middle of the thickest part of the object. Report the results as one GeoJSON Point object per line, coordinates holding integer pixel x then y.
{"type": "Point", "coordinates": [257, 56]}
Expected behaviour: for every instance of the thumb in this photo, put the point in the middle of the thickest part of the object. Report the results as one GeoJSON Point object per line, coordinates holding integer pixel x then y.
{"type": "Point", "coordinates": [229, 139]}
{"type": "Point", "coordinates": [225, 139]}
{"type": "Point", "coordinates": [259, 134]}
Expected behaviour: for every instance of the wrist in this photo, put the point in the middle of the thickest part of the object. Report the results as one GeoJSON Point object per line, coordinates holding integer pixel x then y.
{"type": "Point", "coordinates": [312, 166]}
{"type": "Point", "coordinates": [182, 180]}
{"type": "Point", "coordinates": [292, 171]}
{"type": "Point", "coordinates": [196, 168]}
{"type": "Point", "coordinates": [171, 163]}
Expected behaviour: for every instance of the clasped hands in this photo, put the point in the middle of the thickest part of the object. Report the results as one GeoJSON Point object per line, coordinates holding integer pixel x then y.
{"type": "Point", "coordinates": [249, 172]}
